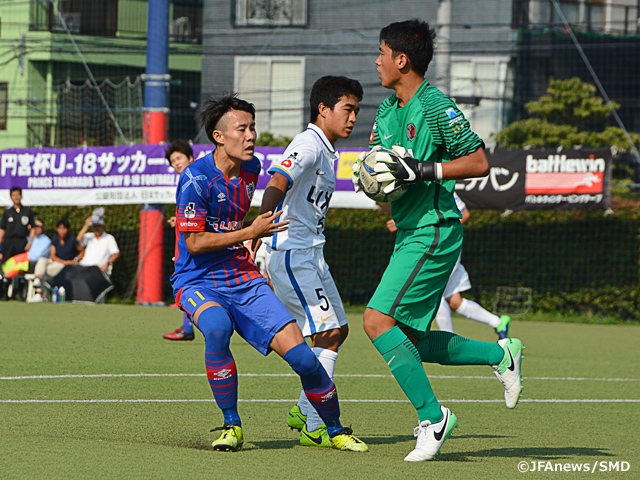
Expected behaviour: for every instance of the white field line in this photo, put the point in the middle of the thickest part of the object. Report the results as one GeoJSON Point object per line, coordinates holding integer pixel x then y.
{"type": "Point", "coordinates": [280, 400]}
{"type": "Point", "coordinates": [352, 375]}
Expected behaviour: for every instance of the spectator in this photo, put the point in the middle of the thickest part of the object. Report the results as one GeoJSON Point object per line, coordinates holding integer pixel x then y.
{"type": "Point", "coordinates": [101, 249]}
{"type": "Point", "coordinates": [64, 250]}
{"type": "Point", "coordinates": [16, 225]}
{"type": "Point", "coordinates": [40, 244]}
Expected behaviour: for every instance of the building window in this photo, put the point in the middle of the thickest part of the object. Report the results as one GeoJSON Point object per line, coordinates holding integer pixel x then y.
{"type": "Point", "coordinates": [275, 85]}
{"type": "Point", "coordinates": [271, 12]}
{"type": "Point", "coordinates": [479, 86]}
{"type": "Point", "coordinates": [4, 101]}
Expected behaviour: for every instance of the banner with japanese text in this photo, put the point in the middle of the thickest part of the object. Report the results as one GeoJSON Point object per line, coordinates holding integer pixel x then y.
{"type": "Point", "coordinates": [542, 179]}
{"type": "Point", "coordinates": [140, 174]}
{"type": "Point", "coordinates": [134, 174]}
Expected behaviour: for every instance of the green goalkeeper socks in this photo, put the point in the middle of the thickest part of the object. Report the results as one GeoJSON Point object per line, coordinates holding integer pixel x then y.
{"type": "Point", "coordinates": [405, 364]}
{"type": "Point", "coordinates": [448, 348]}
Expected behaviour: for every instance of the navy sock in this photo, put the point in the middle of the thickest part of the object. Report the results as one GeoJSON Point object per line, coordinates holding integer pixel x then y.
{"type": "Point", "coordinates": [216, 326]}
{"type": "Point", "coordinates": [317, 385]}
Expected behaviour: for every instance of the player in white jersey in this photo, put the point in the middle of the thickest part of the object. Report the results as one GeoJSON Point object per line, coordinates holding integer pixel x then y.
{"type": "Point", "coordinates": [459, 282]}
{"type": "Point", "coordinates": [301, 185]}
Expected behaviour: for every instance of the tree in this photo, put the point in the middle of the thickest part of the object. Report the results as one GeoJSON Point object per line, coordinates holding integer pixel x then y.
{"type": "Point", "coordinates": [569, 114]}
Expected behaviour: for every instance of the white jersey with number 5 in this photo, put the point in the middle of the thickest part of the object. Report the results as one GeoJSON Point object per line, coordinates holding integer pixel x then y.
{"type": "Point", "coordinates": [295, 257]}
{"type": "Point", "coordinates": [308, 165]}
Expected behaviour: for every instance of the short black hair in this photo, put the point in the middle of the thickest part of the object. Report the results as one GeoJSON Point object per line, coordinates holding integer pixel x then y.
{"type": "Point", "coordinates": [38, 219]}
{"type": "Point", "coordinates": [180, 145]}
{"type": "Point", "coordinates": [328, 91]}
{"type": "Point", "coordinates": [213, 110]}
{"type": "Point", "coordinates": [64, 222]}
{"type": "Point", "coordinates": [15, 189]}
{"type": "Point", "coordinates": [414, 38]}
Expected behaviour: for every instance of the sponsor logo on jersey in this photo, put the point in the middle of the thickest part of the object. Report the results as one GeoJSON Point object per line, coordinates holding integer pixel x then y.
{"type": "Point", "coordinates": [222, 225]}
{"type": "Point", "coordinates": [411, 132]}
{"type": "Point", "coordinates": [190, 210]}
{"type": "Point", "coordinates": [222, 197]}
{"type": "Point", "coordinates": [287, 162]}
{"type": "Point", "coordinates": [189, 224]}
{"type": "Point", "coordinates": [451, 113]}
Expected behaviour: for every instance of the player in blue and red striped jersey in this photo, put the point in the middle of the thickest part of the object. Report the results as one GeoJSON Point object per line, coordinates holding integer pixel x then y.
{"type": "Point", "coordinates": [217, 282]}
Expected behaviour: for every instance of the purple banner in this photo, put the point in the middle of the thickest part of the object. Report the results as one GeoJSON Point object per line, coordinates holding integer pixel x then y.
{"type": "Point", "coordinates": [134, 174]}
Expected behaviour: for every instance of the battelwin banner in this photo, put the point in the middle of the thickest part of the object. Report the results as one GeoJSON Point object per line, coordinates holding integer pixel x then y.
{"type": "Point", "coordinates": [542, 179]}
{"type": "Point", "coordinates": [139, 174]}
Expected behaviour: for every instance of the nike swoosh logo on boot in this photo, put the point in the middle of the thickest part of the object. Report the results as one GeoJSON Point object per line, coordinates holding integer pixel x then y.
{"type": "Point", "coordinates": [316, 440]}
{"type": "Point", "coordinates": [512, 367]}
{"type": "Point", "coordinates": [438, 435]}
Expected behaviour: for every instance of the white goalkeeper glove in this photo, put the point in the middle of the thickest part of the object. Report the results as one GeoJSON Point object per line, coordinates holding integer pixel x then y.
{"type": "Point", "coordinates": [404, 169]}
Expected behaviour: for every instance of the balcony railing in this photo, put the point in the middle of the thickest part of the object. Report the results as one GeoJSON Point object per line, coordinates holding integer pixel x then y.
{"type": "Point", "coordinates": [599, 16]}
{"type": "Point", "coordinates": [115, 18]}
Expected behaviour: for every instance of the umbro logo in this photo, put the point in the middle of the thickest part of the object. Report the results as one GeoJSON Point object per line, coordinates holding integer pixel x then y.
{"type": "Point", "coordinates": [438, 435]}
{"type": "Point", "coordinates": [222, 197]}
{"type": "Point", "coordinates": [329, 396]}
{"type": "Point", "coordinates": [222, 374]}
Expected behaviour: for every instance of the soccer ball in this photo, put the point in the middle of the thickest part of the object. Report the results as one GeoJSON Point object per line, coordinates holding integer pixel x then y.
{"type": "Point", "coordinates": [368, 182]}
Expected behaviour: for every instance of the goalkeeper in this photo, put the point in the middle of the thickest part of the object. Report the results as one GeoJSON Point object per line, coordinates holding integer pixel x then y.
{"type": "Point", "coordinates": [435, 146]}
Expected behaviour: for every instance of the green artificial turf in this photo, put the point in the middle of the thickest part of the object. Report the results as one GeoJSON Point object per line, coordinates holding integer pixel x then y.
{"type": "Point", "coordinates": [158, 426]}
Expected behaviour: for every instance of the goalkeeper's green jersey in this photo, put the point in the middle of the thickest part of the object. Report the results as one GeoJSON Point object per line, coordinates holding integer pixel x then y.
{"type": "Point", "coordinates": [431, 128]}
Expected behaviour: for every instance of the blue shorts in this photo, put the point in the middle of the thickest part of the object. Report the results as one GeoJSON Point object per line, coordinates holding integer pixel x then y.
{"type": "Point", "coordinates": [257, 314]}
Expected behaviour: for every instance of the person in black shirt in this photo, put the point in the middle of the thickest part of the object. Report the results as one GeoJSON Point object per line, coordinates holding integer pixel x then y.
{"type": "Point", "coordinates": [17, 223]}
{"type": "Point", "coordinates": [65, 250]}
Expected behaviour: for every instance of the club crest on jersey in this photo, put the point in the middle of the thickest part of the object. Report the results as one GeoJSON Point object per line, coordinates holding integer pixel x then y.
{"type": "Point", "coordinates": [190, 210]}
{"type": "Point", "coordinates": [251, 188]}
{"type": "Point", "coordinates": [222, 197]}
{"type": "Point", "coordinates": [411, 132]}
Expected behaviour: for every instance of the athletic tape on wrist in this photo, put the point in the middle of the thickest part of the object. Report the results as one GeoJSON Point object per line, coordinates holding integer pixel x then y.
{"type": "Point", "coordinates": [438, 171]}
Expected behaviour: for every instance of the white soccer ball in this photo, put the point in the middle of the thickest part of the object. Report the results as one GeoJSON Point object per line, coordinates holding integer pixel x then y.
{"type": "Point", "coordinates": [367, 176]}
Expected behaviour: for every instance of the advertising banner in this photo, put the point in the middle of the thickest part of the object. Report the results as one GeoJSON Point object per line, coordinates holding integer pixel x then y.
{"type": "Point", "coordinates": [542, 179]}
{"type": "Point", "coordinates": [134, 174]}
{"type": "Point", "coordinates": [140, 174]}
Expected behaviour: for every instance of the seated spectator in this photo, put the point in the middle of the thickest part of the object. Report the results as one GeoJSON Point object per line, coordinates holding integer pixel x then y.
{"type": "Point", "coordinates": [64, 250]}
{"type": "Point", "coordinates": [101, 249]}
{"type": "Point", "coordinates": [40, 245]}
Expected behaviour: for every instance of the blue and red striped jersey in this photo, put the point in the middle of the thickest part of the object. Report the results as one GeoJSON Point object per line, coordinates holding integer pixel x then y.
{"type": "Point", "coordinates": [208, 201]}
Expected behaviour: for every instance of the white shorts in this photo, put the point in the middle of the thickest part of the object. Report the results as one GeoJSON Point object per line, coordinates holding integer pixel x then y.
{"type": "Point", "coordinates": [458, 281]}
{"type": "Point", "coordinates": [302, 281]}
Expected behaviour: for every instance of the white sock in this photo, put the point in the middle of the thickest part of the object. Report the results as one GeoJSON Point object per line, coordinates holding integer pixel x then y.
{"type": "Point", "coordinates": [443, 317]}
{"type": "Point", "coordinates": [473, 311]}
{"type": "Point", "coordinates": [328, 360]}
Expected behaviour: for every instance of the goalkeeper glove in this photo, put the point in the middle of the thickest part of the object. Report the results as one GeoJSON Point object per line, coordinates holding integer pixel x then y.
{"type": "Point", "coordinates": [355, 169]}
{"type": "Point", "coordinates": [405, 169]}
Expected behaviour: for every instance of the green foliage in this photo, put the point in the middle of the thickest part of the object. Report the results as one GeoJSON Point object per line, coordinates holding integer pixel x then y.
{"type": "Point", "coordinates": [268, 139]}
{"type": "Point", "coordinates": [569, 114]}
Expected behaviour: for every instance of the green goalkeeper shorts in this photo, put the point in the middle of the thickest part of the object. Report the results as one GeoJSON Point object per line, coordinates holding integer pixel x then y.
{"type": "Point", "coordinates": [413, 283]}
